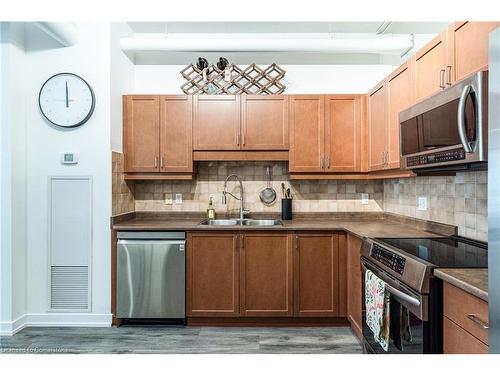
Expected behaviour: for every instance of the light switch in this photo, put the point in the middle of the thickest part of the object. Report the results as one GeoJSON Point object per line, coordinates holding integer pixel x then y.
{"type": "Point", "coordinates": [422, 203]}
{"type": "Point", "coordinates": [178, 198]}
{"type": "Point", "coordinates": [364, 198]}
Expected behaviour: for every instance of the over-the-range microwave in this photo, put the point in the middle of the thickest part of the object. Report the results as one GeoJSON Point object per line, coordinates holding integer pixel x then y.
{"type": "Point", "coordinates": [449, 130]}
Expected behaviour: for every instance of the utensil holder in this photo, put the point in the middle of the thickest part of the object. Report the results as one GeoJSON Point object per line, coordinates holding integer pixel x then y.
{"type": "Point", "coordinates": [286, 209]}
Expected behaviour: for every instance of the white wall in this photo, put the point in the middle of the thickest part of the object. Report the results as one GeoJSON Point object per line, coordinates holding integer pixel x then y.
{"type": "Point", "coordinates": [299, 79]}
{"type": "Point", "coordinates": [13, 168]}
{"type": "Point", "coordinates": [122, 81]}
{"type": "Point", "coordinates": [90, 59]}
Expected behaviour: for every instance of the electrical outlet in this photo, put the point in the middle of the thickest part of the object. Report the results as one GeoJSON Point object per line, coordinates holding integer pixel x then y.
{"type": "Point", "coordinates": [167, 197]}
{"type": "Point", "coordinates": [364, 198]}
{"type": "Point", "coordinates": [178, 198]}
{"type": "Point", "coordinates": [212, 197]}
{"type": "Point", "coordinates": [422, 203]}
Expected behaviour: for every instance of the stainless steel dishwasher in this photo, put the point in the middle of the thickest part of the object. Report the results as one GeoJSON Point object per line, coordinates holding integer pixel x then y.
{"type": "Point", "coordinates": [151, 275]}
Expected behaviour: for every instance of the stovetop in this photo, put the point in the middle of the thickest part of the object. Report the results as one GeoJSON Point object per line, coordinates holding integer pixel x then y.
{"type": "Point", "coordinates": [443, 252]}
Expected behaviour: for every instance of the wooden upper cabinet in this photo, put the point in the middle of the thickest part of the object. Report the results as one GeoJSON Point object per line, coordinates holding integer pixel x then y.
{"type": "Point", "coordinates": [216, 122]}
{"type": "Point", "coordinates": [316, 275]}
{"type": "Point", "coordinates": [264, 122]}
{"type": "Point", "coordinates": [342, 133]}
{"type": "Point", "coordinates": [140, 133]}
{"type": "Point", "coordinates": [400, 97]}
{"type": "Point", "coordinates": [430, 67]}
{"type": "Point", "coordinates": [469, 49]}
{"type": "Point", "coordinates": [176, 131]}
{"type": "Point", "coordinates": [212, 274]}
{"type": "Point", "coordinates": [307, 133]}
{"type": "Point", "coordinates": [266, 275]}
{"type": "Point", "coordinates": [377, 127]}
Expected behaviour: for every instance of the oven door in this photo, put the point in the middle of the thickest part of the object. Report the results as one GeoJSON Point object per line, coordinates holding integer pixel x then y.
{"type": "Point", "coordinates": [409, 332]}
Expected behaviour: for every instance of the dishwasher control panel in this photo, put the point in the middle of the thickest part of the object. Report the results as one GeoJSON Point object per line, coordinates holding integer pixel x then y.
{"type": "Point", "coordinates": [394, 261]}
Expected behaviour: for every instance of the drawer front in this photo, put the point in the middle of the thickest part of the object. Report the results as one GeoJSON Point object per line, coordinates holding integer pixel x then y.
{"type": "Point", "coordinates": [458, 305]}
{"type": "Point", "coordinates": [459, 341]}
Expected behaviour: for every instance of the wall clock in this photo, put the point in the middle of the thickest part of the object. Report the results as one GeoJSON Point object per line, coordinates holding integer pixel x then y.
{"type": "Point", "coordinates": [66, 100]}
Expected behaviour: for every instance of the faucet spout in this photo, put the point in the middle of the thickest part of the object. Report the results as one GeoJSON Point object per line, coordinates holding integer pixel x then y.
{"type": "Point", "coordinates": [240, 198]}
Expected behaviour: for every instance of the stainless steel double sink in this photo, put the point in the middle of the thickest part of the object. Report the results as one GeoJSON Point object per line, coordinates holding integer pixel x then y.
{"type": "Point", "coordinates": [244, 222]}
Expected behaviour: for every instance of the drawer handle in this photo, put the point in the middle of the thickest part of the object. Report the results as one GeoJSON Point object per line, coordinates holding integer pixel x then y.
{"type": "Point", "coordinates": [478, 321]}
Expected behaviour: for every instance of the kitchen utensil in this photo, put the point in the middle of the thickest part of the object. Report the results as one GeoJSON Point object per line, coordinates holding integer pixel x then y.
{"type": "Point", "coordinates": [288, 194]}
{"type": "Point", "coordinates": [268, 194]}
{"type": "Point", "coordinates": [222, 63]}
{"type": "Point", "coordinates": [283, 190]}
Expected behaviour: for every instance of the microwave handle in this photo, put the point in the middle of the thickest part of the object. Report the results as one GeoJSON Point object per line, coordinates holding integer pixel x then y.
{"type": "Point", "coordinates": [461, 118]}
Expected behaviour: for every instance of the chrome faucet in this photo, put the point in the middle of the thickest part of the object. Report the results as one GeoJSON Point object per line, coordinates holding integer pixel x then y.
{"type": "Point", "coordinates": [242, 194]}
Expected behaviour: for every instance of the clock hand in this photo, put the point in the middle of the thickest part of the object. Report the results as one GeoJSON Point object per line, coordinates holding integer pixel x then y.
{"type": "Point", "coordinates": [67, 101]}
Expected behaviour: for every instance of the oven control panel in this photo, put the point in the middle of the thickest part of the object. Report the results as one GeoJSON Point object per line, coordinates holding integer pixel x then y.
{"type": "Point", "coordinates": [437, 157]}
{"type": "Point", "coordinates": [394, 261]}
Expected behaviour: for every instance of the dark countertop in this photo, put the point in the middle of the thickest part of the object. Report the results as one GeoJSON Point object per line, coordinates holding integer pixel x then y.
{"type": "Point", "coordinates": [359, 224]}
{"type": "Point", "coordinates": [473, 281]}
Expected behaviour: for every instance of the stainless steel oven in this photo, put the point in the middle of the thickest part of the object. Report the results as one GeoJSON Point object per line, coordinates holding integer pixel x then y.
{"type": "Point", "coordinates": [410, 330]}
{"type": "Point", "coordinates": [448, 130]}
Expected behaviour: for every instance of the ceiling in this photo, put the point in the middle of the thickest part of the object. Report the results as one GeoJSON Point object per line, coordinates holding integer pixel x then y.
{"type": "Point", "coordinates": [287, 27]}
{"type": "Point", "coordinates": [423, 32]}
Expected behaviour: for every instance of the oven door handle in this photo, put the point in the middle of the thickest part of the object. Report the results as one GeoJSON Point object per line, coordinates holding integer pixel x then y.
{"type": "Point", "coordinates": [461, 118]}
{"type": "Point", "coordinates": [394, 291]}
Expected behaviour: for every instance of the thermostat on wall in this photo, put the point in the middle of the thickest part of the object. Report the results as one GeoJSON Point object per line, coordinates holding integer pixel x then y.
{"type": "Point", "coordinates": [69, 158]}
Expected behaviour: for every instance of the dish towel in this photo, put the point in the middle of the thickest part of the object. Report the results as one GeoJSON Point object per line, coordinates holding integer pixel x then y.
{"type": "Point", "coordinates": [377, 309]}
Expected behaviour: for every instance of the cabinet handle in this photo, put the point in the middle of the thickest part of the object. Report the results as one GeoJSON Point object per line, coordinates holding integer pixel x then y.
{"type": "Point", "coordinates": [386, 158]}
{"type": "Point", "coordinates": [448, 75]}
{"type": "Point", "coordinates": [441, 78]}
{"type": "Point", "coordinates": [478, 321]}
{"type": "Point", "coordinates": [328, 162]}
{"type": "Point", "coordinates": [161, 161]}
{"type": "Point", "coordinates": [238, 140]}
{"type": "Point", "coordinates": [322, 160]}
{"type": "Point", "coordinates": [296, 242]}
{"type": "Point", "coordinates": [156, 161]}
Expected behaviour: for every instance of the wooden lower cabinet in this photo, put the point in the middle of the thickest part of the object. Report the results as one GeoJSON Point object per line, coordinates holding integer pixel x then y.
{"type": "Point", "coordinates": [458, 341]}
{"type": "Point", "coordinates": [212, 274]}
{"type": "Point", "coordinates": [316, 276]}
{"type": "Point", "coordinates": [266, 275]}
{"type": "Point", "coordinates": [354, 289]}
{"type": "Point", "coordinates": [465, 322]}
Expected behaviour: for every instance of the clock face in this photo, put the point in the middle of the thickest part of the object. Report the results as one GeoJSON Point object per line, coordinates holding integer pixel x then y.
{"type": "Point", "coordinates": [66, 100]}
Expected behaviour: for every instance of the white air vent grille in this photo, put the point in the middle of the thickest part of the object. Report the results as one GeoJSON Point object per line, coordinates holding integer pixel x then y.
{"type": "Point", "coordinates": [69, 287]}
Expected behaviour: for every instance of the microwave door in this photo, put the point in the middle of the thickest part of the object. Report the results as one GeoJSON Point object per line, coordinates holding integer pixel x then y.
{"type": "Point", "coordinates": [438, 127]}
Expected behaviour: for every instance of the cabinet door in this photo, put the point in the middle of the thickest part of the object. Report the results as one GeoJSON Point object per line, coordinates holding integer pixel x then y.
{"type": "Point", "coordinates": [140, 133]}
{"type": "Point", "coordinates": [316, 276]}
{"type": "Point", "coordinates": [266, 275]}
{"type": "Point", "coordinates": [176, 133]}
{"type": "Point", "coordinates": [470, 47]}
{"type": "Point", "coordinates": [307, 133]}
{"type": "Point", "coordinates": [354, 283]}
{"type": "Point", "coordinates": [264, 122]}
{"type": "Point", "coordinates": [212, 273]}
{"type": "Point", "coordinates": [342, 133]}
{"type": "Point", "coordinates": [400, 96]}
{"type": "Point", "coordinates": [216, 122]}
{"type": "Point", "coordinates": [430, 67]}
{"type": "Point", "coordinates": [377, 128]}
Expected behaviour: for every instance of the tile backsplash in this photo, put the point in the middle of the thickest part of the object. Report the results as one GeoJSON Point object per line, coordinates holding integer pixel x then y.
{"type": "Point", "coordinates": [308, 196]}
{"type": "Point", "coordinates": [459, 200]}
{"type": "Point", "coordinates": [123, 197]}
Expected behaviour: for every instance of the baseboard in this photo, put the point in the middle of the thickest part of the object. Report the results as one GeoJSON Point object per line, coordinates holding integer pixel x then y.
{"type": "Point", "coordinates": [55, 320]}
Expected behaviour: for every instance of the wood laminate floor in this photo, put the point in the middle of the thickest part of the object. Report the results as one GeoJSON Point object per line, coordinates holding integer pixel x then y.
{"type": "Point", "coordinates": [182, 340]}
